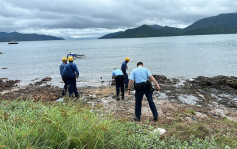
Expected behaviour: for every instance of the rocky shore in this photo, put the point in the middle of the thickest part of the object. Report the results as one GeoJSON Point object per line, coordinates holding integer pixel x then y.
{"type": "Point", "coordinates": [201, 100]}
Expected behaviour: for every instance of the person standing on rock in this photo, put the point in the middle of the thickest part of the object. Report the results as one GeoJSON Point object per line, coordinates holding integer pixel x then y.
{"type": "Point", "coordinates": [72, 74]}
{"type": "Point", "coordinates": [119, 81]}
{"type": "Point", "coordinates": [63, 75]}
{"type": "Point", "coordinates": [142, 85]}
{"type": "Point", "coordinates": [124, 68]}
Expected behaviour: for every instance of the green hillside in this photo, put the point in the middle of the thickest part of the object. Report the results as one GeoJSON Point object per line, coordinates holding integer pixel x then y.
{"type": "Point", "coordinates": [221, 24]}
{"type": "Point", "coordinates": [7, 37]}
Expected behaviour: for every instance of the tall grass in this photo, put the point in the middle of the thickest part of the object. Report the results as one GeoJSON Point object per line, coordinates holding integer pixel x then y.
{"type": "Point", "coordinates": [26, 124]}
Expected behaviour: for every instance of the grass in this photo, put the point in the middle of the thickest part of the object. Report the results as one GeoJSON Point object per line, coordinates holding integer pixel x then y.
{"type": "Point", "coordinates": [28, 124]}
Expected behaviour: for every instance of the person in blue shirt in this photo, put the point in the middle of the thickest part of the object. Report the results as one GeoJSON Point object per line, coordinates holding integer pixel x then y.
{"type": "Point", "coordinates": [124, 68]}
{"type": "Point", "coordinates": [72, 74]}
{"type": "Point", "coordinates": [119, 81]}
{"type": "Point", "coordinates": [140, 76]}
{"type": "Point", "coordinates": [63, 75]}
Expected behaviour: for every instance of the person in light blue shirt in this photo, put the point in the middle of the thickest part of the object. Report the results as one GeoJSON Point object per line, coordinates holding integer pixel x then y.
{"type": "Point", "coordinates": [119, 81]}
{"type": "Point", "coordinates": [72, 74]}
{"type": "Point", "coordinates": [140, 76]}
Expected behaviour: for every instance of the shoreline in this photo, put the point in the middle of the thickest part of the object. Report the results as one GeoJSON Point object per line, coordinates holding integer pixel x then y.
{"type": "Point", "coordinates": [201, 91]}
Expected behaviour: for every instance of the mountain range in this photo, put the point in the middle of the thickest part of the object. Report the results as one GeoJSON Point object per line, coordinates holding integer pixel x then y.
{"type": "Point", "coordinates": [7, 37]}
{"type": "Point", "coordinates": [220, 24]}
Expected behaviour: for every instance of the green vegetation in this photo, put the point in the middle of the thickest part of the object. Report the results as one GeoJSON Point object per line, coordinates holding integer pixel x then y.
{"type": "Point", "coordinates": [29, 124]}
{"type": "Point", "coordinates": [221, 24]}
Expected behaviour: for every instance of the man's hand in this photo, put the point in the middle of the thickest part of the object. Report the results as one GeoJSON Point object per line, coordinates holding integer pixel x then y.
{"type": "Point", "coordinates": [158, 86]}
{"type": "Point", "coordinates": [77, 76]}
{"type": "Point", "coordinates": [129, 92]}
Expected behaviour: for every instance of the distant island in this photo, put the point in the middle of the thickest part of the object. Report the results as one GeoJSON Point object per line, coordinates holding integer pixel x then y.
{"type": "Point", "coordinates": [7, 37]}
{"type": "Point", "coordinates": [221, 24]}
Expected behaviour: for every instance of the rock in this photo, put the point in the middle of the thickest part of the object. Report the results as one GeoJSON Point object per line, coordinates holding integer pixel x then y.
{"type": "Point", "coordinates": [46, 79]}
{"type": "Point", "coordinates": [189, 120]}
{"type": "Point", "coordinates": [6, 84]}
{"type": "Point", "coordinates": [92, 96]}
{"type": "Point", "coordinates": [4, 68]}
{"type": "Point", "coordinates": [160, 78]}
{"type": "Point", "coordinates": [219, 112]}
{"type": "Point", "coordinates": [200, 115]}
{"type": "Point", "coordinates": [1, 53]}
{"type": "Point", "coordinates": [217, 81]}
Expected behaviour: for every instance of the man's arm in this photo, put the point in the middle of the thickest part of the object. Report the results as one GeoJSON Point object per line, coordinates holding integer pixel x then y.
{"type": "Point", "coordinates": [129, 86]}
{"type": "Point", "coordinates": [154, 80]}
{"type": "Point", "coordinates": [77, 71]}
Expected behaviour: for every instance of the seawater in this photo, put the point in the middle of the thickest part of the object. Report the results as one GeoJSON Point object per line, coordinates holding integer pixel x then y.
{"type": "Point", "coordinates": [180, 56]}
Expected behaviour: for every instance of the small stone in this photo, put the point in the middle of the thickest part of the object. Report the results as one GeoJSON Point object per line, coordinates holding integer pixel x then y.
{"type": "Point", "coordinates": [189, 120]}
{"type": "Point", "coordinates": [200, 115]}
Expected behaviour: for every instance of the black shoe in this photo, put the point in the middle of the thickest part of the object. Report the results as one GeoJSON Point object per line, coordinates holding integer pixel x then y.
{"type": "Point", "coordinates": [136, 119]}
{"type": "Point", "coordinates": [117, 98]}
{"type": "Point", "coordinates": [155, 119]}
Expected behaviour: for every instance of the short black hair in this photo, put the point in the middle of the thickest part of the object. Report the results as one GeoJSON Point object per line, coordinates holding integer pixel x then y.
{"type": "Point", "coordinates": [139, 63]}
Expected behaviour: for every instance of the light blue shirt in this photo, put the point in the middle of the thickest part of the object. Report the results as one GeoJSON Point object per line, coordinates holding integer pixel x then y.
{"type": "Point", "coordinates": [117, 72]}
{"type": "Point", "coordinates": [140, 74]}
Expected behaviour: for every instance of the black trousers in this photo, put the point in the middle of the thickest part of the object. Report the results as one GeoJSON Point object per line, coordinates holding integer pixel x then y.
{"type": "Point", "coordinates": [138, 105]}
{"type": "Point", "coordinates": [72, 87]}
{"type": "Point", "coordinates": [65, 85]}
{"type": "Point", "coordinates": [119, 85]}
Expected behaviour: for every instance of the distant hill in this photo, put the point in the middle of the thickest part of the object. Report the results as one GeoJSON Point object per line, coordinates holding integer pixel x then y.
{"type": "Point", "coordinates": [7, 37]}
{"type": "Point", "coordinates": [223, 20]}
{"type": "Point", "coordinates": [111, 35]}
{"type": "Point", "coordinates": [146, 31]}
{"type": "Point", "coordinates": [221, 24]}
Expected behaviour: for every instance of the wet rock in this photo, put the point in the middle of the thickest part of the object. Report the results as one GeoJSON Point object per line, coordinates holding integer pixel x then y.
{"type": "Point", "coordinates": [160, 78]}
{"type": "Point", "coordinates": [6, 84]}
{"type": "Point", "coordinates": [47, 79]}
{"type": "Point", "coordinates": [44, 80]}
{"type": "Point", "coordinates": [217, 81]}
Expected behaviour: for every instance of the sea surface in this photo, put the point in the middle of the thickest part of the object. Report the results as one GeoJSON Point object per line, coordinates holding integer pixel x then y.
{"type": "Point", "coordinates": [181, 56]}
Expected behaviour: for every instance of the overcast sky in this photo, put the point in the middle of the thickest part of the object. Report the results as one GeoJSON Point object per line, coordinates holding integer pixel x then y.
{"type": "Point", "coordinates": [94, 18]}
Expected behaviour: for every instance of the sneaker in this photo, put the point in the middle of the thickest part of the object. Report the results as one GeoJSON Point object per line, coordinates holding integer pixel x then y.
{"type": "Point", "coordinates": [136, 119]}
{"type": "Point", "coordinates": [155, 119]}
{"type": "Point", "coordinates": [117, 98]}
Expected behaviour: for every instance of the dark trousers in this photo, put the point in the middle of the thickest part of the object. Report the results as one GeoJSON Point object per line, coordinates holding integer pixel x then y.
{"type": "Point", "coordinates": [138, 105]}
{"type": "Point", "coordinates": [126, 80]}
{"type": "Point", "coordinates": [72, 87]}
{"type": "Point", "coordinates": [65, 85]}
{"type": "Point", "coordinates": [119, 84]}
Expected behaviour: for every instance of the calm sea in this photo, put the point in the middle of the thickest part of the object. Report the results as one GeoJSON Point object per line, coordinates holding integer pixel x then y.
{"type": "Point", "coordinates": [182, 56]}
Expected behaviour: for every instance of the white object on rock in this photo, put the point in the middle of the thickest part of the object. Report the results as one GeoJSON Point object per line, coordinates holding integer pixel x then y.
{"type": "Point", "coordinates": [160, 130]}
{"type": "Point", "coordinates": [60, 100]}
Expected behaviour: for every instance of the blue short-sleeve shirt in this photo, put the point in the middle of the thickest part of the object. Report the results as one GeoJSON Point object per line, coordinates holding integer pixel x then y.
{"type": "Point", "coordinates": [140, 74]}
{"type": "Point", "coordinates": [117, 72]}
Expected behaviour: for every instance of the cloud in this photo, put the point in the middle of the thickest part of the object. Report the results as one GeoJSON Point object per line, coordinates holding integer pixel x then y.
{"type": "Point", "coordinates": [93, 18]}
